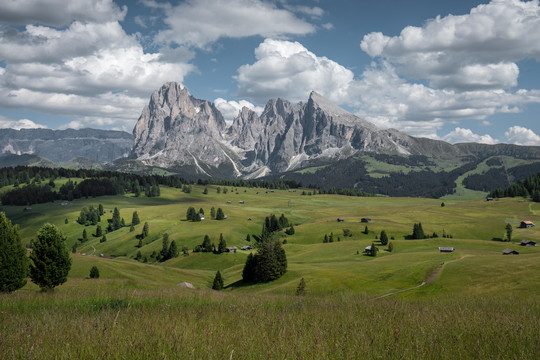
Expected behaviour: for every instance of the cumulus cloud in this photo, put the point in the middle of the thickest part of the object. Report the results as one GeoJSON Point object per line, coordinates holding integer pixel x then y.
{"type": "Point", "coordinates": [473, 51]}
{"type": "Point", "coordinates": [202, 22]}
{"type": "Point", "coordinates": [522, 136]}
{"type": "Point", "coordinates": [287, 69]}
{"type": "Point", "coordinates": [6, 123]}
{"type": "Point", "coordinates": [230, 109]}
{"type": "Point", "coordinates": [59, 12]}
{"type": "Point", "coordinates": [460, 135]}
{"type": "Point", "coordinates": [84, 71]}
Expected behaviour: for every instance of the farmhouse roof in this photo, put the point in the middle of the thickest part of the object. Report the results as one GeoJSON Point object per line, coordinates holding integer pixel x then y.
{"type": "Point", "coordinates": [446, 248]}
{"type": "Point", "coordinates": [528, 242]}
{"type": "Point", "coordinates": [509, 252]}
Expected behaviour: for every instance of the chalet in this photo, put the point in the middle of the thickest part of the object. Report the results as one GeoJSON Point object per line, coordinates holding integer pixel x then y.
{"type": "Point", "coordinates": [201, 216]}
{"type": "Point", "coordinates": [64, 203]}
{"type": "Point", "coordinates": [229, 202]}
{"type": "Point", "coordinates": [249, 219]}
{"type": "Point", "coordinates": [367, 249]}
{"type": "Point", "coordinates": [509, 252]}
{"type": "Point", "coordinates": [527, 243]}
{"type": "Point", "coordinates": [365, 220]}
{"type": "Point", "coordinates": [246, 248]}
{"type": "Point", "coordinates": [241, 202]}
{"type": "Point", "coordinates": [232, 249]}
{"type": "Point", "coordinates": [446, 249]}
{"type": "Point", "coordinates": [340, 219]}
{"type": "Point", "coordinates": [526, 224]}
{"type": "Point", "coordinates": [489, 198]}
{"type": "Point", "coordinates": [225, 217]}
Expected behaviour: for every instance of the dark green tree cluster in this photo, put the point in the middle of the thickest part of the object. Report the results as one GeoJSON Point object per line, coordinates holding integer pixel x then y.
{"type": "Point", "coordinates": [28, 195]}
{"type": "Point", "coordinates": [192, 215]}
{"type": "Point", "coordinates": [222, 245]}
{"type": "Point", "coordinates": [152, 190]}
{"type": "Point", "coordinates": [529, 186]}
{"type": "Point", "coordinates": [508, 232]}
{"type": "Point", "coordinates": [383, 238]}
{"type": "Point", "coordinates": [169, 249]}
{"type": "Point", "coordinates": [145, 232]}
{"type": "Point", "coordinates": [220, 215]}
{"type": "Point", "coordinates": [269, 263]}
{"type": "Point", "coordinates": [135, 219]}
{"type": "Point", "coordinates": [372, 251]}
{"type": "Point", "coordinates": [13, 260]}
{"type": "Point", "coordinates": [271, 225]}
{"type": "Point", "coordinates": [50, 261]}
{"type": "Point", "coordinates": [206, 245]}
{"type": "Point", "coordinates": [116, 222]}
{"type": "Point", "coordinates": [94, 272]}
{"type": "Point", "coordinates": [186, 188]}
{"type": "Point", "coordinates": [418, 232]}
{"type": "Point", "coordinates": [328, 238]}
{"type": "Point", "coordinates": [90, 215]}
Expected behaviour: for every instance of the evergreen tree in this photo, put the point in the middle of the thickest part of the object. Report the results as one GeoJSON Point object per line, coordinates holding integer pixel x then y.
{"type": "Point", "coordinates": [145, 230]}
{"type": "Point", "coordinates": [103, 239]}
{"type": "Point", "coordinates": [418, 232]}
{"type": "Point", "coordinates": [94, 272]}
{"type": "Point", "coordinates": [325, 240]}
{"type": "Point", "coordinates": [290, 230]}
{"type": "Point", "coordinates": [384, 238]}
{"type": "Point", "coordinates": [66, 221]}
{"type": "Point", "coordinates": [218, 282]}
{"type": "Point", "coordinates": [135, 219]}
{"type": "Point", "coordinates": [137, 189]}
{"type": "Point", "coordinates": [248, 273]}
{"type": "Point", "coordinates": [131, 228]}
{"type": "Point", "coordinates": [99, 232]}
{"type": "Point", "coordinates": [219, 214]}
{"type": "Point", "coordinates": [164, 253]}
{"type": "Point", "coordinates": [116, 222]}
{"type": "Point", "coordinates": [213, 212]}
{"type": "Point", "coordinates": [248, 238]}
{"type": "Point", "coordinates": [301, 289]}
{"type": "Point", "coordinates": [13, 260]}
{"type": "Point", "coordinates": [74, 248]}
{"type": "Point", "coordinates": [190, 213]}
{"type": "Point", "coordinates": [366, 230]}
{"type": "Point", "coordinates": [373, 251]}
{"type": "Point", "coordinates": [140, 244]}
{"type": "Point", "coordinates": [508, 232]}
{"type": "Point", "coordinates": [222, 246]}
{"type": "Point", "coordinates": [205, 191]}
{"type": "Point", "coordinates": [50, 259]}
{"type": "Point", "coordinates": [173, 250]}
{"type": "Point", "coordinates": [122, 223]}
{"type": "Point", "coordinates": [84, 236]}
{"type": "Point", "coordinates": [536, 195]}
{"type": "Point", "coordinates": [138, 257]}
{"type": "Point", "coordinates": [100, 210]}
{"type": "Point", "coordinates": [207, 244]}
{"type": "Point", "coordinates": [201, 211]}
{"type": "Point", "coordinates": [442, 204]}
{"type": "Point", "coordinates": [390, 246]}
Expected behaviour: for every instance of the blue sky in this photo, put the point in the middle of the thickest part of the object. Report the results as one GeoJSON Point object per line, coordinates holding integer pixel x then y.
{"type": "Point", "coordinates": [453, 70]}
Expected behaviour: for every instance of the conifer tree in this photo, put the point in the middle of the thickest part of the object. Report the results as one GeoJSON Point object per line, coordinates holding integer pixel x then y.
{"type": "Point", "coordinates": [301, 289]}
{"type": "Point", "coordinates": [50, 261]}
{"type": "Point", "coordinates": [173, 250]}
{"type": "Point", "coordinates": [219, 214]}
{"type": "Point", "coordinates": [508, 232]}
{"type": "Point", "coordinates": [390, 246]}
{"type": "Point", "coordinates": [145, 230]}
{"type": "Point", "coordinates": [84, 236]}
{"type": "Point", "coordinates": [103, 239]}
{"type": "Point", "coordinates": [99, 232]}
{"type": "Point", "coordinates": [135, 219]}
{"type": "Point", "coordinates": [366, 230]}
{"type": "Point", "coordinates": [207, 244]}
{"type": "Point", "coordinates": [218, 282]}
{"type": "Point", "coordinates": [373, 251]}
{"type": "Point", "coordinates": [140, 244]}
{"type": "Point", "coordinates": [164, 253]}
{"type": "Point", "coordinates": [248, 273]}
{"type": "Point", "coordinates": [222, 246]}
{"type": "Point", "coordinates": [101, 211]}
{"type": "Point", "coordinates": [132, 228]}
{"type": "Point", "coordinates": [94, 272]}
{"type": "Point", "coordinates": [116, 222]}
{"type": "Point", "coordinates": [384, 238]}
{"type": "Point", "coordinates": [248, 238]}
{"type": "Point", "coordinates": [213, 212]}
{"type": "Point", "coordinates": [13, 260]}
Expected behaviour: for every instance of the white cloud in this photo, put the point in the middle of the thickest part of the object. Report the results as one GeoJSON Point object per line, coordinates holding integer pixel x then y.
{"type": "Point", "coordinates": [473, 51]}
{"type": "Point", "coordinates": [522, 136]}
{"type": "Point", "coordinates": [85, 71]}
{"type": "Point", "coordinates": [288, 70]}
{"type": "Point", "coordinates": [230, 109]}
{"type": "Point", "coordinates": [199, 23]}
{"type": "Point", "coordinates": [59, 12]}
{"type": "Point", "coordinates": [460, 135]}
{"type": "Point", "coordinates": [6, 123]}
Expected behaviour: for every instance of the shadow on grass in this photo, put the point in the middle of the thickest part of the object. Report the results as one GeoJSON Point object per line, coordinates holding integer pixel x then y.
{"type": "Point", "coordinates": [239, 284]}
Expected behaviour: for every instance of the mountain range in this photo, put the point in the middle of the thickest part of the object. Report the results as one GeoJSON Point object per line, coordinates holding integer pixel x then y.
{"type": "Point", "coordinates": [314, 142]}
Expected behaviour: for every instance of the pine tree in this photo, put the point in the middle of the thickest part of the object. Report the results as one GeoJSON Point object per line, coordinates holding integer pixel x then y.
{"type": "Point", "coordinates": [103, 239]}
{"type": "Point", "coordinates": [135, 219]}
{"type": "Point", "coordinates": [132, 228]}
{"type": "Point", "coordinates": [219, 214]}
{"type": "Point", "coordinates": [508, 232]}
{"type": "Point", "coordinates": [74, 248]}
{"type": "Point", "coordinates": [325, 240]}
{"type": "Point", "coordinates": [84, 236]}
{"type": "Point", "coordinates": [384, 238]}
{"type": "Point", "coordinates": [137, 189]}
{"type": "Point", "coordinates": [190, 214]}
{"type": "Point", "coordinates": [248, 238]}
{"type": "Point", "coordinates": [248, 273]}
{"type": "Point", "coordinates": [205, 191]}
{"type": "Point", "coordinates": [390, 246]}
{"type": "Point", "coordinates": [138, 257]}
{"type": "Point", "coordinates": [145, 230]}
{"type": "Point", "coordinates": [213, 212]}
{"type": "Point", "coordinates": [418, 232]}
{"type": "Point", "coordinates": [207, 244]}
{"type": "Point", "coordinates": [100, 210]}
{"type": "Point", "coordinates": [173, 250]}
{"type": "Point", "coordinates": [222, 246]}
{"type": "Point", "coordinates": [50, 259]}
{"type": "Point", "coordinates": [66, 221]}
{"type": "Point", "coordinates": [366, 230]}
{"type": "Point", "coordinates": [201, 211]}
{"type": "Point", "coordinates": [301, 289]}
{"type": "Point", "coordinates": [140, 244]}
{"type": "Point", "coordinates": [164, 253]}
{"type": "Point", "coordinates": [116, 222]}
{"type": "Point", "coordinates": [373, 251]}
{"type": "Point", "coordinates": [218, 282]}
{"type": "Point", "coordinates": [13, 260]}
{"type": "Point", "coordinates": [94, 272]}
{"type": "Point", "coordinates": [99, 232]}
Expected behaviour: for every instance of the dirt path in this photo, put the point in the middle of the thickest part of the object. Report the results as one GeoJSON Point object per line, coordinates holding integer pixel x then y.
{"type": "Point", "coordinates": [94, 250]}
{"type": "Point", "coordinates": [430, 278]}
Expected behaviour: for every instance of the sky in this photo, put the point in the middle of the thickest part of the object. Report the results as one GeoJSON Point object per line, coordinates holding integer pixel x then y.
{"type": "Point", "coordinates": [459, 71]}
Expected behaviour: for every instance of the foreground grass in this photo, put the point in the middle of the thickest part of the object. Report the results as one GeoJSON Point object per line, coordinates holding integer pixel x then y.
{"type": "Point", "coordinates": [101, 322]}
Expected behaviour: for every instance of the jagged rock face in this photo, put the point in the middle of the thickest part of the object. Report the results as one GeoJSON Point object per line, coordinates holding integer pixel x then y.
{"type": "Point", "coordinates": [177, 129]}
{"type": "Point", "coordinates": [63, 145]}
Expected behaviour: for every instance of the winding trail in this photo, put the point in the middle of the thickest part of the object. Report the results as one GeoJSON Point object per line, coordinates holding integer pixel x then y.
{"type": "Point", "coordinates": [430, 278]}
{"type": "Point", "coordinates": [93, 251]}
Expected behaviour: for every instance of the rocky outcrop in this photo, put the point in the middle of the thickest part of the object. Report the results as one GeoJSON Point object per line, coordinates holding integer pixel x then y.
{"type": "Point", "coordinates": [63, 145]}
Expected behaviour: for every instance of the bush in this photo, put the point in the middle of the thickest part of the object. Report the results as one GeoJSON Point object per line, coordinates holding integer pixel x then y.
{"type": "Point", "coordinates": [94, 272]}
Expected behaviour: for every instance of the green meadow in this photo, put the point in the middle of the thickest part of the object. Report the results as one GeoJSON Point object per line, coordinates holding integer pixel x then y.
{"type": "Point", "coordinates": [475, 302]}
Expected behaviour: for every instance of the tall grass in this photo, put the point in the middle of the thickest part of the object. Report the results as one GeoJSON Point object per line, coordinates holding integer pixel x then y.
{"type": "Point", "coordinates": [203, 324]}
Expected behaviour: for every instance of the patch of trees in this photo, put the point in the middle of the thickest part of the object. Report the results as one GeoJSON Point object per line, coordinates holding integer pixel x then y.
{"type": "Point", "coordinates": [28, 195]}
{"type": "Point", "coordinates": [330, 238]}
{"type": "Point", "coordinates": [169, 249]}
{"type": "Point", "coordinates": [13, 260]}
{"type": "Point", "coordinates": [90, 215]}
{"type": "Point", "coordinates": [271, 225]}
{"type": "Point", "coordinates": [498, 178]}
{"type": "Point", "coordinates": [264, 184]}
{"type": "Point", "coordinates": [268, 264]}
{"type": "Point", "coordinates": [529, 186]}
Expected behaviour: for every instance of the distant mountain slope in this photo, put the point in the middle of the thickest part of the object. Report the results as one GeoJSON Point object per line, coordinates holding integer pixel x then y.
{"type": "Point", "coordinates": [64, 145]}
